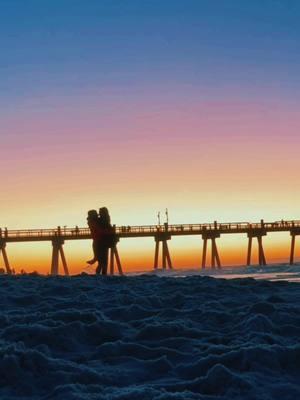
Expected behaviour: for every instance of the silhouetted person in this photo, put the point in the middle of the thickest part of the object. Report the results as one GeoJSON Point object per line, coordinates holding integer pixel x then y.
{"type": "Point", "coordinates": [106, 240]}
{"type": "Point", "coordinates": [93, 224]}
{"type": "Point", "coordinates": [102, 234]}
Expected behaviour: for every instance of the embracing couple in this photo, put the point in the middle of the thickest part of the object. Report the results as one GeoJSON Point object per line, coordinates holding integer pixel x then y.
{"type": "Point", "coordinates": [103, 237]}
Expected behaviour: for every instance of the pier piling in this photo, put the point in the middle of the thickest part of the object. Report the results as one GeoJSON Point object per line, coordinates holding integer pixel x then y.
{"type": "Point", "coordinates": [258, 234]}
{"type": "Point", "coordinates": [294, 232]}
{"type": "Point", "coordinates": [4, 255]}
{"type": "Point", "coordinates": [166, 258]}
{"type": "Point", "coordinates": [57, 250]}
{"type": "Point", "coordinates": [215, 258]}
{"type": "Point", "coordinates": [115, 258]}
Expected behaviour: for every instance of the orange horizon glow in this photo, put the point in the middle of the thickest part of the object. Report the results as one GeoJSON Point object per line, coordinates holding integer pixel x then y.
{"type": "Point", "coordinates": [185, 253]}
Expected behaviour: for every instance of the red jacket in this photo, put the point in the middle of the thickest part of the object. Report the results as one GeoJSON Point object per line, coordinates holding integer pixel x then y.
{"type": "Point", "coordinates": [95, 229]}
{"type": "Point", "coordinates": [97, 232]}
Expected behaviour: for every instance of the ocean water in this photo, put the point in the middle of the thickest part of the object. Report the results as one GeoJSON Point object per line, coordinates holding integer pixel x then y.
{"type": "Point", "coordinates": [273, 272]}
{"type": "Point", "coordinates": [166, 335]}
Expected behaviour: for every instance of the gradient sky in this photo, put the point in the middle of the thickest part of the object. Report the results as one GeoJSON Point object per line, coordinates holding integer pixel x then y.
{"type": "Point", "coordinates": [143, 105]}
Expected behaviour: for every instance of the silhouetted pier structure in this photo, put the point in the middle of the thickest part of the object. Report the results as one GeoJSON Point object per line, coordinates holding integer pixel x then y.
{"type": "Point", "coordinates": [161, 234]}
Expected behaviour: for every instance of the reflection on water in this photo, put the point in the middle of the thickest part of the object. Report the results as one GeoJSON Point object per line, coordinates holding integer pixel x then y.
{"type": "Point", "coordinates": [278, 272]}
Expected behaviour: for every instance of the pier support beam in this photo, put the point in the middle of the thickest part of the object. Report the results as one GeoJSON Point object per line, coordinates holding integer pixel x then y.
{"type": "Point", "coordinates": [166, 258]}
{"type": "Point", "coordinates": [215, 258]}
{"type": "Point", "coordinates": [258, 234]}
{"type": "Point", "coordinates": [292, 255]}
{"type": "Point", "coordinates": [114, 257]}
{"type": "Point", "coordinates": [294, 232]}
{"type": "Point", "coordinates": [4, 255]}
{"type": "Point", "coordinates": [249, 252]}
{"type": "Point", "coordinates": [57, 250]}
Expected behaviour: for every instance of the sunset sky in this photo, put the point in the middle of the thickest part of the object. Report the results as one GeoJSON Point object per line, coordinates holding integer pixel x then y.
{"type": "Point", "coordinates": [143, 105]}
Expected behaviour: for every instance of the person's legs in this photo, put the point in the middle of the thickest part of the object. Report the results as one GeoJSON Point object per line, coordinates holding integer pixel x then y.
{"type": "Point", "coordinates": [93, 260]}
{"type": "Point", "coordinates": [99, 268]}
{"type": "Point", "coordinates": [103, 259]}
{"type": "Point", "coordinates": [98, 256]}
{"type": "Point", "coordinates": [106, 259]}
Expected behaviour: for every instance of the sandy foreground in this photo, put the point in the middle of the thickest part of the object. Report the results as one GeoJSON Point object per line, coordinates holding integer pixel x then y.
{"type": "Point", "coordinates": [148, 337]}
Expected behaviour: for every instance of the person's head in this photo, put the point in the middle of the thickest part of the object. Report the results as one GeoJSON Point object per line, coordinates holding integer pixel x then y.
{"type": "Point", "coordinates": [92, 214]}
{"type": "Point", "coordinates": [104, 214]}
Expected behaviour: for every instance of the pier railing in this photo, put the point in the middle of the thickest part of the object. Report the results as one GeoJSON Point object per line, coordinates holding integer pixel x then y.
{"type": "Point", "coordinates": [151, 230]}
{"type": "Point", "coordinates": [161, 234]}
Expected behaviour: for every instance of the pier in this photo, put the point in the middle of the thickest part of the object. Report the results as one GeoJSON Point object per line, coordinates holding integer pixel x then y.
{"type": "Point", "coordinates": [161, 234]}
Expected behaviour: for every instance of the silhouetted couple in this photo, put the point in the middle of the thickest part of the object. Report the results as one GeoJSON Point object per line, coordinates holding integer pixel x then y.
{"type": "Point", "coordinates": [103, 238]}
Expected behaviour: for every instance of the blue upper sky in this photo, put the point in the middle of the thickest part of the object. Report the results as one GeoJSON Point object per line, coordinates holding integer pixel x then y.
{"type": "Point", "coordinates": [66, 46]}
